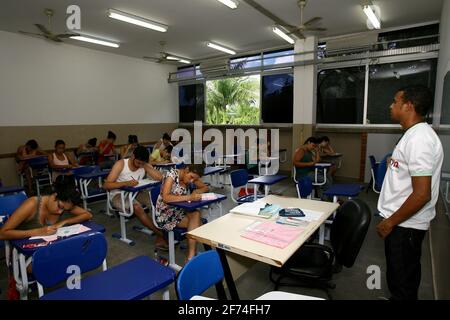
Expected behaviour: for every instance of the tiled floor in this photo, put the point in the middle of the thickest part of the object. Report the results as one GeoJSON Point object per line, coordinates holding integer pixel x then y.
{"type": "Point", "coordinates": [350, 283]}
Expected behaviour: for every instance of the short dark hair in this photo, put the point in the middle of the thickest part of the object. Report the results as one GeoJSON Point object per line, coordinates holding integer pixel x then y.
{"type": "Point", "coordinates": [196, 168]}
{"type": "Point", "coordinates": [169, 149]}
{"type": "Point", "coordinates": [132, 139]}
{"type": "Point", "coordinates": [32, 144]}
{"type": "Point", "coordinates": [166, 136]}
{"type": "Point", "coordinates": [92, 142]}
{"type": "Point", "coordinates": [58, 142]}
{"type": "Point", "coordinates": [66, 190]}
{"type": "Point", "coordinates": [420, 97]}
{"type": "Point", "coordinates": [322, 139]}
{"type": "Point", "coordinates": [141, 153]}
{"type": "Point", "coordinates": [111, 135]}
{"type": "Point", "coordinates": [311, 140]}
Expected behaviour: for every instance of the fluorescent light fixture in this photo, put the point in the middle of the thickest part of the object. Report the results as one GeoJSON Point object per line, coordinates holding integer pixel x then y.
{"type": "Point", "coordinates": [179, 59]}
{"type": "Point", "coordinates": [232, 4]}
{"type": "Point", "coordinates": [172, 58]}
{"type": "Point", "coordinates": [133, 19]}
{"type": "Point", "coordinates": [96, 41]}
{"type": "Point", "coordinates": [220, 48]}
{"type": "Point", "coordinates": [374, 20]}
{"type": "Point", "coordinates": [185, 61]}
{"type": "Point", "coordinates": [283, 35]}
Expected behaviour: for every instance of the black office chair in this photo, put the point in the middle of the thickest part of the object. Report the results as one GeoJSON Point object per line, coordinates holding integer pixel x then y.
{"type": "Point", "coordinates": [313, 264]}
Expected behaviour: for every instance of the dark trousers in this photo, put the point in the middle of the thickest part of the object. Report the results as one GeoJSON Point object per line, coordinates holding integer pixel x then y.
{"type": "Point", "coordinates": [403, 249]}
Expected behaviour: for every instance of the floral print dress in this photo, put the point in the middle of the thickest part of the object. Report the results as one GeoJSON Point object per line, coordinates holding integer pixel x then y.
{"type": "Point", "coordinates": [167, 216]}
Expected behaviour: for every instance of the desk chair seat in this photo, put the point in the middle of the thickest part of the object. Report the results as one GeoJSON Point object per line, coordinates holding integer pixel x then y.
{"type": "Point", "coordinates": [134, 279]}
{"type": "Point", "coordinates": [313, 264]}
{"type": "Point", "coordinates": [205, 270]}
{"type": "Point", "coordinates": [175, 235]}
{"type": "Point", "coordinates": [239, 180]}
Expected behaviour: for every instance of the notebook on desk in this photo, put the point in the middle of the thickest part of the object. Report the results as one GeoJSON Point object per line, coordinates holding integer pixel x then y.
{"type": "Point", "coordinates": [257, 209]}
{"type": "Point", "coordinates": [209, 196]}
{"type": "Point", "coordinates": [145, 182]}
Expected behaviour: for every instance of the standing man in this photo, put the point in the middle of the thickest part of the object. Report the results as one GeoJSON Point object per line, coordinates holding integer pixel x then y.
{"type": "Point", "coordinates": [410, 192]}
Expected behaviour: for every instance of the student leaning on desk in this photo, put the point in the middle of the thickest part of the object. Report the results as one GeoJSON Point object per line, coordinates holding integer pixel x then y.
{"type": "Point", "coordinates": [175, 189]}
{"type": "Point", "coordinates": [40, 216]}
{"type": "Point", "coordinates": [127, 173]}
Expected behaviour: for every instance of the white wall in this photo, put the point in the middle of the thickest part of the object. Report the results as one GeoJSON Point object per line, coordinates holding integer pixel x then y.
{"type": "Point", "coordinates": [44, 83]}
{"type": "Point", "coordinates": [378, 145]}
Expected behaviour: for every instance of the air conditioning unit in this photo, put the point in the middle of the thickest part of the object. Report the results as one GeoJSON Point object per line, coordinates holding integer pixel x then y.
{"type": "Point", "coordinates": [214, 68]}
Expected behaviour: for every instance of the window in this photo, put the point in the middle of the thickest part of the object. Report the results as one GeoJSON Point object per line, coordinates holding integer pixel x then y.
{"type": "Point", "coordinates": [340, 95]}
{"type": "Point", "coordinates": [233, 101]}
{"type": "Point", "coordinates": [277, 103]}
{"type": "Point", "coordinates": [399, 39]}
{"type": "Point", "coordinates": [445, 117]}
{"type": "Point", "coordinates": [191, 102]}
{"type": "Point", "coordinates": [386, 79]}
{"type": "Point", "coordinates": [188, 72]}
{"type": "Point", "coordinates": [278, 57]}
{"type": "Point", "coordinates": [245, 62]}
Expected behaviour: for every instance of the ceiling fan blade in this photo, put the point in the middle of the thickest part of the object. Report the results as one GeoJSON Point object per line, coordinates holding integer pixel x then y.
{"type": "Point", "coordinates": [154, 59]}
{"type": "Point", "coordinates": [316, 29]}
{"type": "Point", "coordinates": [43, 29]}
{"type": "Point", "coordinates": [30, 33]}
{"type": "Point", "coordinates": [312, 20]}
{"type": "Point", "coordinates": [67, 35]}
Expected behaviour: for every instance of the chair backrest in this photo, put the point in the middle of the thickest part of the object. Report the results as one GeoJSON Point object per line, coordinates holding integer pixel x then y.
{"type": "Point", "coordinates": [381, 171]}
{"type": "Point", "coordinates": [239, 178]}
{"type": "Point", "coordinates": [304, 187]}
{"type": "Point", "coordinates": [51, 263]}
{"type": "Point", "coordinates": [349, 230]}
{"type": "Point", "coordinates": [85, 169]}
{"type": "Point", "coordinates": [373, 163]}
{"type": "Point", "coordinates": [200, 273]}
{"type": "Point", "coordinates": [9, 203]}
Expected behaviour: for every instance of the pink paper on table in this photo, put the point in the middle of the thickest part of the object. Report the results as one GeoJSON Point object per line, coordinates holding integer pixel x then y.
{"type": "Point", "coordinates": [272, 234]}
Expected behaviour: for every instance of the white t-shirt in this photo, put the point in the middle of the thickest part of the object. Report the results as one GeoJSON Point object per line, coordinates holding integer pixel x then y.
{"type": "Point", "coordinates": [418, 153]}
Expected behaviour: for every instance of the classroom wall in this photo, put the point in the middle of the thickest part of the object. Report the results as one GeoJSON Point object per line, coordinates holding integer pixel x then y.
{"type": "Point", "coordinates": [46, 83]}
{"type": "Point", "coordinates": [52, 91]}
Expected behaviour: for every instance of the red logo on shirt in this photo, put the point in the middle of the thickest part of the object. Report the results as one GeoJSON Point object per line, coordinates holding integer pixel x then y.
{"type": "Point", "coordinates": [394, 163]}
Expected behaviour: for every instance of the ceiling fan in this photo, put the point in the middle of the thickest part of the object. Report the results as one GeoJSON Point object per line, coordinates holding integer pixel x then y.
{"type": "Point", "coordinates": [296, 30]}
{"type": "Point", "coordinates": [46, 32]}
{"type": "Point", "coordinates": [304, 26]}
{"type": "Point", "coordinates": [165, 57]}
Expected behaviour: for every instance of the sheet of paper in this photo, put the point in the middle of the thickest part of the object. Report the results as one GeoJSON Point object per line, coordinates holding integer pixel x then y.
{"type": "Point", "coordinates": [64, 232]}
{"type": "Point", "coordinates": [310, 215]}
{"type": "Point", "coordinates": [208, 196]}
{"type": "Point", "coordinates": [249, 208]}
{"type": "Point", "coordinates": [145, 182]}
{"type": "Point", "coordinates": [272, 233]}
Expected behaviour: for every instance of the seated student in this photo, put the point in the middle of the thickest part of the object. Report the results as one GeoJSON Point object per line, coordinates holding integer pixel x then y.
{"type": "Point", "coordinates": [127, 173]}
{"type": "Point", "coordinates": [325, 149]}
{"type": "Point", "coordinates": [163, 143]}
{"type": "Point", "coordinates": [175, 188]}
{"type": "Point", "coordinates": [61, 160]}
{"type": "Point", "coordinates": [126, 151]}
{"type": "Point", "coordinates": [305, 159]}
{"type": "Point", "coordinates": [106, 150]}
{"type": "Point", "coordinates": [161, 156]}
{"type": "Point", "coordinates": [41, 216]}
{"type": "Point", "coordinates": [90, 146]}
{"type": "Point", "coordinates": [29, 150]}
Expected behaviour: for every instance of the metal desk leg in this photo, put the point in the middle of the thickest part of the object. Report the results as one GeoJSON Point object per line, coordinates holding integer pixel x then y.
{"type": "Point", "coordinates": [255, 192]}
{"type": "Point", "coordinates": [228, 276]}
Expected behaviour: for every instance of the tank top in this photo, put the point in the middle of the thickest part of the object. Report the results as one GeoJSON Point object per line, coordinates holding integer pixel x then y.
{"type": "Point", "coordinates": [35, 222]}
{"type": "Point", "coordinates": [301, 172]}
{"type": "Point", "coordinates": [58, 162]}
{"type": "Point", "coordinates": [126, 175]}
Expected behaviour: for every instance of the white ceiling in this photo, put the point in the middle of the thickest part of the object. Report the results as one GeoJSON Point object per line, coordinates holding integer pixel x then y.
{"type": "Point", "coordinates": [193, 22]}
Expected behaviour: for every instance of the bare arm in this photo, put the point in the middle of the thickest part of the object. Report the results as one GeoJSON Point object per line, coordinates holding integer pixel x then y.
{"type": "Point", "coordinates": [169, 197]}
{"type": "Point", "coordinates": [201, 186]}
{"type": "Point", "coordinates": [22, 214]}
{"type": "Point", "coordinates": [420, 196]}
{"type": "Point", "coordinates": [157, 145]}
{"type": "Point", "coordinates": [72, 160]}
{"type": "Point", "coordinates": [111, 181]}
{"type": "Point", "coordinates": [153, 173]}
{"type": "Point", "coordinates": [298, 157]}
{"type": "Point", "coordinates": [80, 215]}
